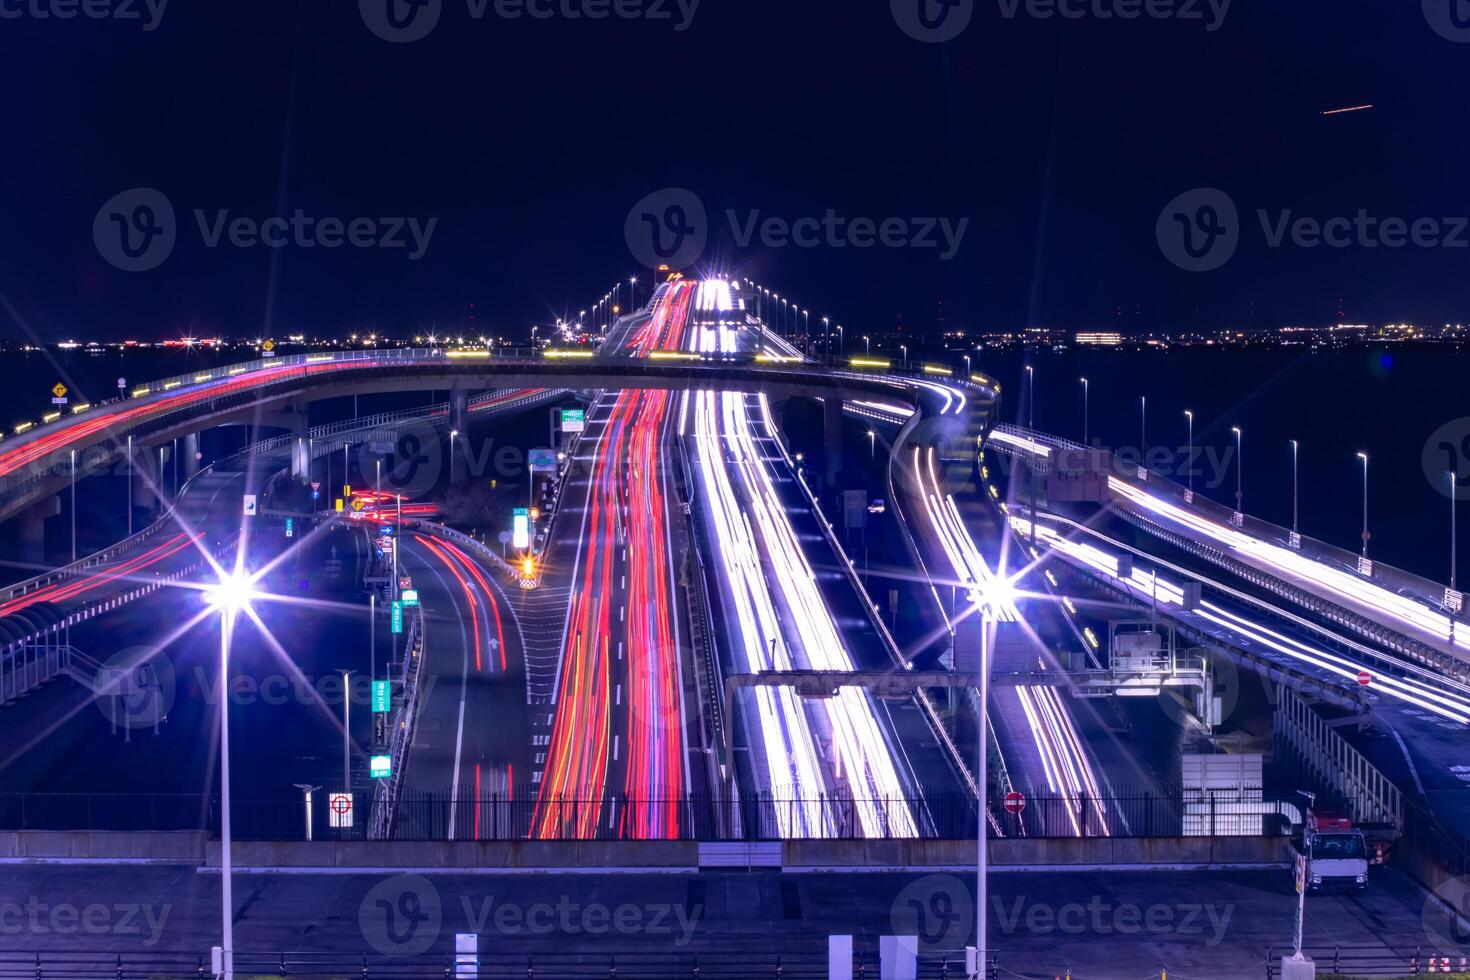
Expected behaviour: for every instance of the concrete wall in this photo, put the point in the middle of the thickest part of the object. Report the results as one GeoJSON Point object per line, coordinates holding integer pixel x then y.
{"type": "Point", "coordinates": [192, 848]}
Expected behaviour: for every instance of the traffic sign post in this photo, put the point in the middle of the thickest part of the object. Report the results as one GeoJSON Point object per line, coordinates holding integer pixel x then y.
{"type": "Point", "coordinates": [397, 617]}
{"type": "Point", "coordinates": [382, 697]}
{"type": "Point", "coordinates": [1365, 679]}
{"type": "Point", "coordinates": [380, 766]}
{"type": "Point", "coordinates": [1015, 803]}
{"type": "Point", "coordinates": [339, 811]}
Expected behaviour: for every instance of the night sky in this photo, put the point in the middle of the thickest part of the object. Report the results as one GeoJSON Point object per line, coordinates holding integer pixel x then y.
{"type": "Point", "coordinates": [529, 141]}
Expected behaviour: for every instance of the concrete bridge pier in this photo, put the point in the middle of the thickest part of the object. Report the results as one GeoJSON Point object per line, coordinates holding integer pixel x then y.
{"type": "Point", "coordinates": [32, 527]}
{"type": "Point", "coordinates": [146, 469]}
{"type": "Point", "coordinates": [832, 437]}
{"type": "Point", "coordinates": [191, 455]}
{"type": "Point", "coordinates": [459, 404]}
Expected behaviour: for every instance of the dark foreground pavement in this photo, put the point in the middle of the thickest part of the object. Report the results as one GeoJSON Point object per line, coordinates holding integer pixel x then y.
{"type": "Point", "coordinates": [1114, 924]}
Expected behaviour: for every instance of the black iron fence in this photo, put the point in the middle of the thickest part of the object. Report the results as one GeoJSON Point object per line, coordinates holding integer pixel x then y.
{"type": "Point", "coordinates": [1373, 961]}
{"type": "Point", "coordinates": [751, 964]}
{"type": "Point", "coordinates": [522, 816]}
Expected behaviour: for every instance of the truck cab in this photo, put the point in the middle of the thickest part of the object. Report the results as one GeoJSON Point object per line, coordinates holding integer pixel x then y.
{"type": "Point", "coordinates": [1335, 854]}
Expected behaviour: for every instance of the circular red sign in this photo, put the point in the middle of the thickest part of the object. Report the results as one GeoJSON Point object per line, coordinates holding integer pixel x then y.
{"type": "Point", "coordinates": [1015, 802]}
{"type": "Point", "coordinates": [1364, 678]}
{"type": "Point", "coordinates": [342, 804]}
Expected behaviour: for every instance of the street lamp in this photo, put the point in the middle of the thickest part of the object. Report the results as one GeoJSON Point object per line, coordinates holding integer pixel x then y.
{"type": "Point", "coordinates": [904, 348]}
{"type": "Point", "coordinates": [1366, 535]}
{"type": "Point", "coordinates": [1239, 475]}
{"type": "Point", "coordinates": [867, 344]}
{"type": "Point", "coordinates": [73, 506]}
{"type": "Point", "coordinates": [873, 449]}
{"type": "Point", "coordinates": [1143, 429]}
{"type": "Point", "coordinates": [453, 434]}
{"type": "Point", "coordinates": [230, 596]}
{"type": "Point", "coordinates": [1454, 540]}
{"type": "Point", "coordinates": [1295, 488]}
{"type": "Point", "coordinates": [1030, 397]}
{"type": "Point", "coordinates": [1189, 463]}
{"type": "Point", "coordinates": [1086, 411]}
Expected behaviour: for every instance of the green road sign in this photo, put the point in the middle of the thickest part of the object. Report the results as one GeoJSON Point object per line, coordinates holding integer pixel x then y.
{"type": "Point", "coordinates": [380, 766]}
{"type": "Point", "coordinates": [398, 617]}
{"type": "Point", "coordinates": [410, 597]}
{"type": "Point", "coordinates": [382, 697]}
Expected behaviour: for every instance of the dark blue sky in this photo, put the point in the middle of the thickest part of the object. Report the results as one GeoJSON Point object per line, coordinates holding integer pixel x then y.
{"type": "Point", "coordinates": [529, 142]}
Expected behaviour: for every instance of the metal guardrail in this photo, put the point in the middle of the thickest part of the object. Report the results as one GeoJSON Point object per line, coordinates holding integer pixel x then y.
{"type": "Point", "coordinates": [404, 721]}
{"type": "Point", "coordinates": [592, 963]}
{"type": "Point", "coordinates": [1375, 961]}
{"type": "Point", "coordinates": [1328, 757]}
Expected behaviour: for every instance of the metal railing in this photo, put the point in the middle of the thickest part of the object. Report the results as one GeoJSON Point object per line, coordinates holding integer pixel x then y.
{"type": "Point", "coordinates": [519, 813]}
{"type": "Point", "coordinates": [1373, 961]}
{"type": "Point", "coordinates": [593, 961]}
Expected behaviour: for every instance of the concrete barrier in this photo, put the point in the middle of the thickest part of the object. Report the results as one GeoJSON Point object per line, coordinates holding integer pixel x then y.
{"type": "Point", "coordinates": [102, 847]}
{"type": "Point", "coordinates": [192, 848]}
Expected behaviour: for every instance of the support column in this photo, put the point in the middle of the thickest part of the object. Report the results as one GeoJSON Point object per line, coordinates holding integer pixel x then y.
{"type": "Point", "coordinates": [191, 455]}
{"type": "Point", "coordinates": [459, 410]}
{"type": "Point", "coordinates": [832, 437]}
{"type": "Point", "coordinates": [145, 481]}
{"type": "Point", "coordinates": [32, 526]}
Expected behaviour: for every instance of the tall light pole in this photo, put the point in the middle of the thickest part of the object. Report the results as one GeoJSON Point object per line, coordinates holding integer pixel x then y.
{"type": "Point", "coordinates": [1295, 488]}
{"type": "Point", "coordinates": [129, 482]}
{"type": "Point", "coordinates": [867, 344]}
{"type": "Point", "coordinates": [453, 435]}
{"type": "Point", "coordinates": [841, 341]}
{"type": "Point", "coordinates": [1143, 427]}
{"type": "Point", "coordinates": [1030, 397]}
{"type": "Point", "coordinates": [1189, 462]}
{"type": "Point", "coordinates": [73, 506]}
{"type": "Point", "coordinates": [347, 730]}
{"type": "Point", "coordinates": [1454, 539]}
{"type": "Point", "coordinates": [982, 780]}
{"type": "Point", "coordinates": [230, 596]}
{"type": "Point", "coordinates": [1086, 411]}
{"type": "Point", "coordinates": [1239, 473]}
{"type": "Point", "coordinates": [1366, 535]}
{"type": "Point", "coordinates": [904, 348]}
{"type": "Point", "coordinates": [873, 452]}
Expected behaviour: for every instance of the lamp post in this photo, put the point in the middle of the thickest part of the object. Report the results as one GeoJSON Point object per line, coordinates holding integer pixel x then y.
{"type": "Point", "coordinates": [1030, 397]}
{"type": "Point", "coordinates": [904, 349]}
{"type": "Point", "coordinates": [867, 344]}
{"type": "Point", "coordinates": [346, 730]}
{"type": "Point", "coordinates": [1086, 411]}
{"type": "Point", "coordinates": [74, 506]}
{"type": "Point", "coordinates": [1454, 539]}
{"type": "Point", "coordinates": [1189, 463]}
{"type": "Point", "coordinates": [873, 452]}
{"type": "Point", "coordinates": [1143, 429]}
{"type": "Point", "coordinates": [1295, 488]}
{"type": "Point", "coordinates": [129, 482]}
{"type": "Point", "coordinates": [230, 596]}
{"type": "Point", "coordinates": [1366, 535]}
{"type": "Point", "coordinates": [453, 435]}
{"type": "Point", "coordinates": [1239, 473]}
{"type": "Point", "coordinates": [982, 780]}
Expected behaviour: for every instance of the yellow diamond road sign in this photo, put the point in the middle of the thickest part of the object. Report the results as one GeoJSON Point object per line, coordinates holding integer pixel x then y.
{"type": "Point", "coordinates": [59, 391]}
{"type": "Point", "coordinates": [269, 345]}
